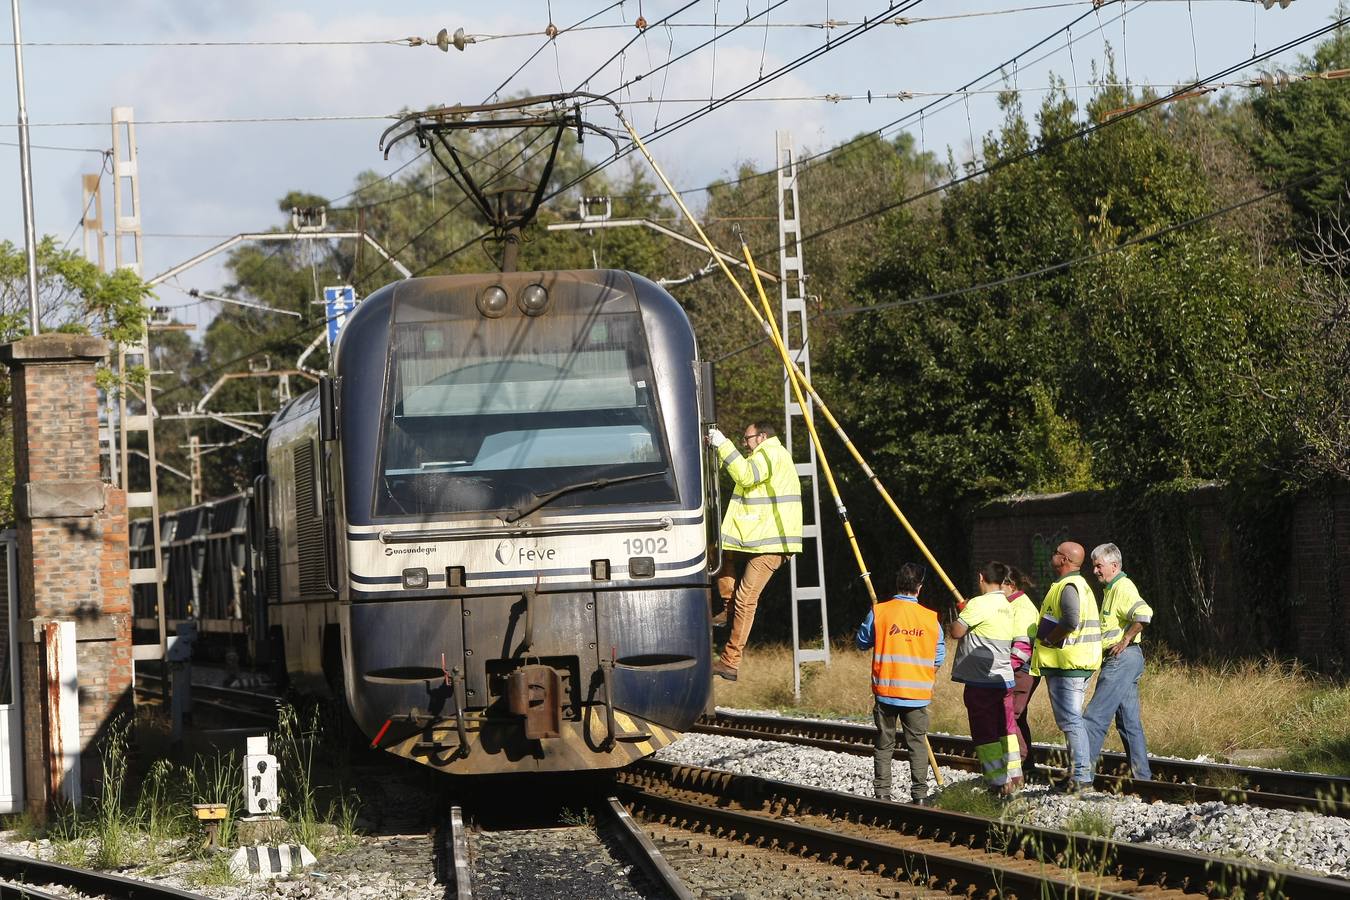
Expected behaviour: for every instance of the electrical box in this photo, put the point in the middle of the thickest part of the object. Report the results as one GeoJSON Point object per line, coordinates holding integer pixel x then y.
{"type": "Point", "coordinates": [260, 778]}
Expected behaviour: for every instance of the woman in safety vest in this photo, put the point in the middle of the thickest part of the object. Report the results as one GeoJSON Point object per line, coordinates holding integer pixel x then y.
{"type": "Point", "coordinates": [1028, 617]}
{"type": "Point", "coordinates": [986, 629]}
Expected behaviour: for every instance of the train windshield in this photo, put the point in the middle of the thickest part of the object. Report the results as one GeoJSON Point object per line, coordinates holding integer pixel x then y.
{"type": "Point", "coordinates": [492, 414]}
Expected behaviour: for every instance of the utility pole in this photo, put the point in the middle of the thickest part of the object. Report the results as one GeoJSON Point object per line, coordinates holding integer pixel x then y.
{"type": "Point", "coordinates": [93, 220]}
{"type": "Point", "coordinates": [25, 174]}
{"type": "Point", "coordinates": [792, 325]}
{"type": "Point", "coordinates": [127, 233]}
{"type": "Point", "coordinates": [195, 451]}
{"type": "Point", "coordinates": [92, 223]}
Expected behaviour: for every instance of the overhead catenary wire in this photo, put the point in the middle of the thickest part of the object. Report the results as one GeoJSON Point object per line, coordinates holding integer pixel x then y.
{"type": "Point", "coordinates": [494, 93]}
{"type": "Point", "coordinates": [841, 150]}
{"type": "Point", "coordinates": [826, 24]}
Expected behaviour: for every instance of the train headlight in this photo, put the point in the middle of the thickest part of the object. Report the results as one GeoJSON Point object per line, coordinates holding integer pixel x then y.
{"type": "Point", "coordinates": [493, 302]}
{"type": "Point", "coordinates": [533, 300]}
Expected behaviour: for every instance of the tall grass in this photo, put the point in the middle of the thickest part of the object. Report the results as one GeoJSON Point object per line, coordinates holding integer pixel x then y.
{"type": "Point", "coordinates": [120, 825]}
{"type": "Point", "coordinates": [1188, 709]}
{"type": "Point", "coordinates": [219, 779]}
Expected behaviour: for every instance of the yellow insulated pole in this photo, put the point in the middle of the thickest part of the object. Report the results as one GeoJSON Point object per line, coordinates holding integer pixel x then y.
{"type": "Point", "coordinates": [805, 382]}
{"type": "Point", "coordinates": [810, 426]}
{"type": "Point", "coordinates": [795, 377]}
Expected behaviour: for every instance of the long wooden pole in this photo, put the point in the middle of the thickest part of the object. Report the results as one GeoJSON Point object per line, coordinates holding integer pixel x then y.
{"type": "Point", "coordinates": [792, 366]}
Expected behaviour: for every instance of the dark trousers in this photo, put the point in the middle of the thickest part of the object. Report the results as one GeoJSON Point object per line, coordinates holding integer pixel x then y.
{"type": "Point", "coordinates": [914, 722]}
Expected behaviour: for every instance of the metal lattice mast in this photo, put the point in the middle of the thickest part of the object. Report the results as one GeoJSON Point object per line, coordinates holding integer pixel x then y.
{"type": "Point", "coordinates": [808, 587]}
{"type": "Point", "coordinates": [127, 254]}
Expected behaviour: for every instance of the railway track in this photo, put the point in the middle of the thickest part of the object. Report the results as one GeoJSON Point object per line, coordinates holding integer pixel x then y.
{"type": "Point", "coordinates": [257, 706]}
{"type": "Point", "coordinates": [611, 818]}
{"type": "Point", "coordinates": [19, 874]}
{"type": "Point", "coordinates": [935, 852]}
{"type": "Point", "coordinates": [1176, 781]}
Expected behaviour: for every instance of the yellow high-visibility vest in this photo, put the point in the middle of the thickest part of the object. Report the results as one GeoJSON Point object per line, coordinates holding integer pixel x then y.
{"type": "Point", "coordinates": [1122, 607]}
{"type": "Point", "coordinates": [1082, 647]}
{"type": "Point", "coordinates": [765, 513]}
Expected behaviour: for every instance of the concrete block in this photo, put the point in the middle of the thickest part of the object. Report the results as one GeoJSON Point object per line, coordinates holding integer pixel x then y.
{"type": "Point", "coordinates": [269, 861]}
{"type": "Point", "coordinates": [53, 347]}
{"type": "Point", "coordinates": [260, 829]}
{"type": "Point", "coordinates": [59, 499]}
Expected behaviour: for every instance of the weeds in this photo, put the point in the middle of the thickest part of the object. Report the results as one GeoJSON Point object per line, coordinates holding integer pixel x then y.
{"type": "Point", "coordinates": [971, 797]}
{"type": "Point", "coordinates": [1094, 822]}
{"type": "Point", "coordinates": [583, 819]}
{"type": "Point", "coordinates": [159, 812]}
{"type": "Point", "coordinates": [214, 871]}
{"type": "Point", "coordinates": [303, 739]}
{"type": "Point", "coordinates": [113, 831]}
{"type": "Point", "coordinates": [296, 743]}
{"type": "Point", "coordinates": [342, 813]}
{"type": "Point", "coordinates": [117, 843]}
{"type": "Point", "coordinates": [219, 779]}
{"type": "Point", "coordinates": [23, 824]}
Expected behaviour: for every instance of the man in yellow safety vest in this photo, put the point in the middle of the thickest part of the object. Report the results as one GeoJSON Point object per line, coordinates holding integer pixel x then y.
{"type": "Point", "coordinates": [1124, 616]}
{"type": "Point", "coordinates": [762, 527]}
{"type": "Point", "coordinates": [1067, 651]}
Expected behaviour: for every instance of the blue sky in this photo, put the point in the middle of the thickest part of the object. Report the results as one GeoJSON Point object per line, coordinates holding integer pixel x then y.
{"type": "Point", "coordinates": [203, 182]}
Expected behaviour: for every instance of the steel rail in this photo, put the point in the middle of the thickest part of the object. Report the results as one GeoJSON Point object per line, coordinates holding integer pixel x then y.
{"type": "Point", "coordinates": [257, 705]}
{"type": "Point", "coordinates": [644, 852]}
{"type": "Point", "coordinates": [1170, 791]}
{"type": "Point", "coordinates": [1145, 866]}
{"type": "Point", "coordinates": [25, 869]}
{"type": "Point", "coordinates": [459, 855]}
{"type": "Point", "coordinates": [1179, 779]}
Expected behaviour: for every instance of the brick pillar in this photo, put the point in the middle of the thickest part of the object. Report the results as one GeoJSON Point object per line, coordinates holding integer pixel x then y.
{"type": "Point", "coordinates": [72, 530]}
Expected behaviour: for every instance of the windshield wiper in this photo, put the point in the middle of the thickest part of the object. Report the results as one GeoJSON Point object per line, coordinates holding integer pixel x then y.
{"type": "Point", "coordinates": [517, 514]}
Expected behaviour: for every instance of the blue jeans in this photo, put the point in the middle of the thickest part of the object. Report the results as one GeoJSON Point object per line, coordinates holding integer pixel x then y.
{"type": "Point", "coordinates": [1117, 696]}
{"type": "Point", "coordinates": [1066, 701]}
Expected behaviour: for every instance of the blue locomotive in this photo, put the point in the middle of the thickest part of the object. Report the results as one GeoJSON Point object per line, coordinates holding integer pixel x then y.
{"type": "Point", "coordinates": [487, 528]}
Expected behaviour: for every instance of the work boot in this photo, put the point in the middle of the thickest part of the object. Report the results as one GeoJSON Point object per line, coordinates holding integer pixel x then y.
{"type": "Point", "coordinates": [881, 794]}
{"type": "Point", "coordinates": [1068, 786]}
{"type": "Point", "coordinates": [722, 670]}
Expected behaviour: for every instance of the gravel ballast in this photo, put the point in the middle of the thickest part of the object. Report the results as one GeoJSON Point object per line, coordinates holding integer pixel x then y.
{"type": "Point", "coordinates": [1303, 840]}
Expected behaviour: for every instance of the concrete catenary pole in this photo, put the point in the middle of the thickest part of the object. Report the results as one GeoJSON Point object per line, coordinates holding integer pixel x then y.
{"type": "Point", "coordinates": [26, 174]}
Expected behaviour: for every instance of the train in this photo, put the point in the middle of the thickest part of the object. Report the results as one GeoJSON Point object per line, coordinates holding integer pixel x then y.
{"type": "Point", "coordinates": [490, 530]}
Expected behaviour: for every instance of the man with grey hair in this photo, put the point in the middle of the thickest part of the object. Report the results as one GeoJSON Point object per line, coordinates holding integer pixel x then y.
{"type": "Point", "coordinates": [1124, 615]}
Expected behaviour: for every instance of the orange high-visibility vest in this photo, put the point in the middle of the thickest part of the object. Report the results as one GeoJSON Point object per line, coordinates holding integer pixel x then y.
{"type": "Point", "coordinates": [903, 651]}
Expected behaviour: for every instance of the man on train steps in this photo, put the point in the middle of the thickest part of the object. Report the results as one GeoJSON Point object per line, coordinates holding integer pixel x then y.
{"type": "Point", "coordinates": [762, 527]}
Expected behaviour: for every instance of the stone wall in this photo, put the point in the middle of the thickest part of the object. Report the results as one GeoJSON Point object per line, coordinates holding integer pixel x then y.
{"type": "Point", "coordinates": [1216, 590]}
{"type": "Point", "coordinates": [72, 541]}
{"type": "Point", "coordinates": [1319, 576]}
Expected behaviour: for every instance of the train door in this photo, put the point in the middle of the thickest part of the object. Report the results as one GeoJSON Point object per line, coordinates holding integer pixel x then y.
{"type": "Point", "coordinates": [11, 738]}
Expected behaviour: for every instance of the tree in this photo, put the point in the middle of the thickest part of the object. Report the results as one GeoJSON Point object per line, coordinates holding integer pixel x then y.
{"type": "Point", "coordinates": [1299, 136]}
{"type": "Point", "coordinates": [73, 296]}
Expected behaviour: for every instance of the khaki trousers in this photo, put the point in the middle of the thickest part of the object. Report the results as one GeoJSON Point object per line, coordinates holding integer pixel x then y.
{"type": "Point", "coordinates": [742, 596]}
